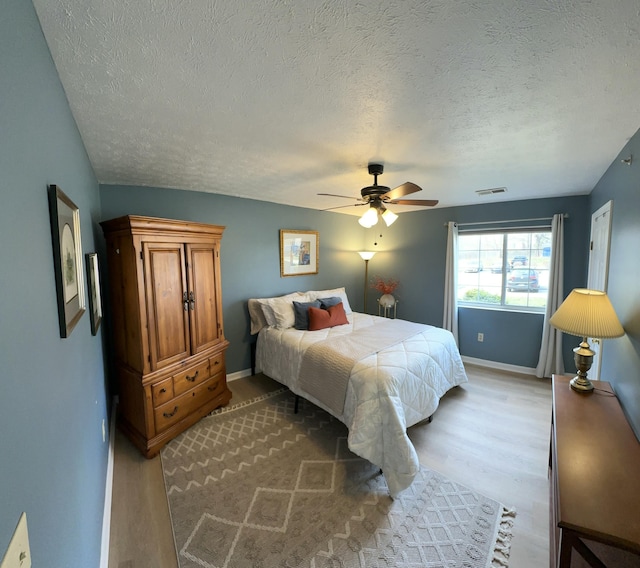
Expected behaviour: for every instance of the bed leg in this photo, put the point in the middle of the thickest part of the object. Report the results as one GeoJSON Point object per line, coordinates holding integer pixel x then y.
{"type": "Point", "coordinates": [253, 357]}
{"type": "Point", "coordinates": [296, 404]}
{"type": "Point", "coordinates": [429, 419]}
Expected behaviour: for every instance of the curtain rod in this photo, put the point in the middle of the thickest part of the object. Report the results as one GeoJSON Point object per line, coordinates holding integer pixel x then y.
{"type": "Point", "coordinates": [565, 215]}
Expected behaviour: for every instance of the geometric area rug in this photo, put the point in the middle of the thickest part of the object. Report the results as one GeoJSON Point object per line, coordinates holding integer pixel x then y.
{"type": "Point", "coordinates": [255, 485]}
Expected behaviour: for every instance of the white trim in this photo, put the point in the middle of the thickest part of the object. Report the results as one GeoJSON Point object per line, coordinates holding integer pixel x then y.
{"type": "Point", "coordinates": [605, 211]}
{"type": "Point", "coordinates": [239, 375]}
{"type": "Point", "coordinates": [565, 215]}
{"type": "Point", "coordinates": [598, 272]}
{"type": "Point", "coordinates": [108, 493]}
{"type": "Point", "coordinates": [498, 365]}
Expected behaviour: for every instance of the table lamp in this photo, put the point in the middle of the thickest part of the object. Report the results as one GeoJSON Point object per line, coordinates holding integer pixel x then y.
{"type": "Point", "coordinates": [586, 313]}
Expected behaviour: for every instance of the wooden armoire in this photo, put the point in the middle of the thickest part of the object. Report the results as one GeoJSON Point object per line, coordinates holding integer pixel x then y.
{"type": "Point", "coordinates": [166, 319]}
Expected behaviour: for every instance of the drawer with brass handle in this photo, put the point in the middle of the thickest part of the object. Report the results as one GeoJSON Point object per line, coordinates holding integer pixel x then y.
{"type": "Point", "coordinates": [216, 385]}
{"type": "Point", "coordinates": [187, 379]}
{"type": "Point", "coordinates": [183, 405]}
{"type": "Point", "coordinates": [216, 364]}
{"type": "Point", "coordinates": [162, 392]}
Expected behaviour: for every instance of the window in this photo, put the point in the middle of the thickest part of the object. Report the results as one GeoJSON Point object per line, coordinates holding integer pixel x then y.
{"type": "Point", "coordinates": [504, 268]}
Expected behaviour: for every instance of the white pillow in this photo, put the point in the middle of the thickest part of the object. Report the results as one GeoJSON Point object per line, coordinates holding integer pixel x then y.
{"type": "Point", "coordinates": [282, 309]}
{"type": "Point", "coordinates": [275, 311]}
{"type": "Point", "coordinates": [267, 311]}
{"type": "Point", "coordinates": [256, 315]}
{"type": "Point", "coordinates": [340, 292]}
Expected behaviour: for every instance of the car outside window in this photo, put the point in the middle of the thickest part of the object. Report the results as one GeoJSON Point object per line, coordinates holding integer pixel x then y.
{"type": "Point", "coordinates": [504, 269]}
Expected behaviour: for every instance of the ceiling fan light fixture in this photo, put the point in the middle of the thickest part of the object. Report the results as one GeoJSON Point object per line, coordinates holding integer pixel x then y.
{"type": "Point", "coordinates": [389, 217]}
{"type": "Point", "coordinates": [370, 218]}
{"type": "Point", "coordinates": [377, 195]}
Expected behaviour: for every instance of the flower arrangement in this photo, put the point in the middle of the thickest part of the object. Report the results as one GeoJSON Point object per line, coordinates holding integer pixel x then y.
{"type": "Point", "coordinates": [385, 286]}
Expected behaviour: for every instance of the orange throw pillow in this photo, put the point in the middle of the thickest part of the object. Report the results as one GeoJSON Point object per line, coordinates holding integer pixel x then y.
{"type": "Point", "coordinates": [322, 319]}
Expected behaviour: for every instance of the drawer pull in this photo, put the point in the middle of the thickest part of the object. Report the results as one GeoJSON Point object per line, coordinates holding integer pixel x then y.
{"type": "Point", "coordinates": [170, 414]}
{"type": "Point", "coordinates": [191, 379]}
{"type": "Point", "coordinates": [214, 386]}
{"type": "Point", "coordinates": [216, 362]}
{"type": "Point", "coordinates": [163, 390]}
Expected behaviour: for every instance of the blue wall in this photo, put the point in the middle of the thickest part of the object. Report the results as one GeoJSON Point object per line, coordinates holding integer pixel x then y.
{"type": "Point", "coordinates": [250, 252]}
{"type": "Point", "coordinates": [512, 338]}
{"type": "Point", "coordinates": [52, 394]}
{"type": "Point", "coordinates": [411, 250]}
{"type": "Point", "coordinates": [621, 357]}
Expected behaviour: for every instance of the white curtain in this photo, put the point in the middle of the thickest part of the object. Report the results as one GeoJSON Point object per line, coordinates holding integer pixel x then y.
{"type": "Point", "coordinates": [450, 318]}
{"type": "Point", "coordinates": [550, 360]}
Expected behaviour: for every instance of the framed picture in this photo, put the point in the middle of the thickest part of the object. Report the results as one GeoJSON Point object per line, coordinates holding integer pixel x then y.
{"type": "Point", "coordinates": [95, 301]}
{"type": "Point", "coordinates": [298, 252]}
{"type": "Point", "coordinates": [67, 259]}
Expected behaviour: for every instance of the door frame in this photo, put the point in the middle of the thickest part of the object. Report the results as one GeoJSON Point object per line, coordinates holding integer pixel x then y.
{"type": "Point", "coordinates": [598, 272]}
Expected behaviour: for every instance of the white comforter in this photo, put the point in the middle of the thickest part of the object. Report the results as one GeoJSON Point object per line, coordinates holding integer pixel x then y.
{"type": "Point", "coordinates": [387, 392]}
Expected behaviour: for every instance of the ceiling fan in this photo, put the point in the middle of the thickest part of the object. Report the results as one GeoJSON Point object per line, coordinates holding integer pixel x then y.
{"type": "Point", "coordinates": [378, 196]}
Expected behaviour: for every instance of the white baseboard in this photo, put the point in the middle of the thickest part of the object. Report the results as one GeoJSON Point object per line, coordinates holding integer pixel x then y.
{"type": "Point", "coordinates": [501, 366]}
{"type": "Point", "coordinates": [108, 492]}
{"type": "Point", "coordinates": [239, 375]}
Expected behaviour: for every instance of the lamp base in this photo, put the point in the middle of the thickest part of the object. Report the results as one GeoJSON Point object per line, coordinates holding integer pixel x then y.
{"type": "Point", "coordinates": [583, 358]}
{"type": "Point", "coordinates": [581, 384]}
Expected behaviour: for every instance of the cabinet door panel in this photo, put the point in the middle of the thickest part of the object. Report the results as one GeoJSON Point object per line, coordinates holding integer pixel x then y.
{"type": "Point", "coordinates": [203, 313]}
{"type": "Point", "coordinates": [168, 320]}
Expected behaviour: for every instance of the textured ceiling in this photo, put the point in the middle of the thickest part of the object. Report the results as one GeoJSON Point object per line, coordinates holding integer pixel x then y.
{"type": "Point", "coordinates": [279, 100]}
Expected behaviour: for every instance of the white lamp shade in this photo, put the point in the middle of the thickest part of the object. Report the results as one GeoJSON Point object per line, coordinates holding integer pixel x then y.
{"type": "Point", "coordinates": [587, 313]}
{"type": "Point", "coordinates": [370, 218]}
{"type": "Point", "coordinates": [366, 254]}
{"type": "Point", "coordinates": [389, 217]}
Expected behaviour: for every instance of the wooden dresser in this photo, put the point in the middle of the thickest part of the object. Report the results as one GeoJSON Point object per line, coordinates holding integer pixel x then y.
{"type": "Point", "coordinates": [167, 330]}
{"type": "Point", "coordinates": [595, 480]}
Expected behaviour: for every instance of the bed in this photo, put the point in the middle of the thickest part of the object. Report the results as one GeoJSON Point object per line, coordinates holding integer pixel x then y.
{"type": "Point", "coordinates": [378, 376]}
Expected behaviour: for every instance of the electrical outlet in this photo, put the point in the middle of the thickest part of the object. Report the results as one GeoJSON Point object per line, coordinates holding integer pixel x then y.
{"type": "Point", "coordinates": [18, 554]}
{"type": "Point", "coordinates": [481, 337]}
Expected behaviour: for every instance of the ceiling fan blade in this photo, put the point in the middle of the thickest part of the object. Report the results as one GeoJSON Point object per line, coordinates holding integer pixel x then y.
{"type": "Point", "coordinates": [423, 202]}
{"type": "Point", "coordinates": [343, 206]}
{"type": "Point", "coordinates": [405, 189]}
{"type": "Point", "coordinates": [343, 196]}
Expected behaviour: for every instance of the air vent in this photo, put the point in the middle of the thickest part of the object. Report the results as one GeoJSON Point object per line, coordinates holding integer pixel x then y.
{"type": "Point", "coordinates": [491, 191]}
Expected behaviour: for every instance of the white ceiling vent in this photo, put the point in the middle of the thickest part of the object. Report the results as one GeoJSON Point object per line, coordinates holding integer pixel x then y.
{"type": "Point", "coordinates": [491, 191]}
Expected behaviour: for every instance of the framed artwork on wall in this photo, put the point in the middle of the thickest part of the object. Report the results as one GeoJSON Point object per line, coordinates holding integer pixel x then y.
{"type": "Point", "coordinates": [95, 301]}
{"type": "Point", "coordinates": [298, 252]}
{"type": "Point", "coordinates": [67, 259]}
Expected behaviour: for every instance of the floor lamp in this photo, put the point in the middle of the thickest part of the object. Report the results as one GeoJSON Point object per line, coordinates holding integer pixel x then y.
{"type": "Point", "coordinates": [366, 256]}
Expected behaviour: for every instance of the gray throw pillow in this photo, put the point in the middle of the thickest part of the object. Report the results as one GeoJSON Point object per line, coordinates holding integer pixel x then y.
{"type": "Point", "coordinates": [301, 311]}
{"type": "Point", "coordinates": [328, 302]}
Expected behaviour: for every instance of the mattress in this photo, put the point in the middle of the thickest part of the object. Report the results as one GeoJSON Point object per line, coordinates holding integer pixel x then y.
{"type": "Point", "coordinates": [387, 391]}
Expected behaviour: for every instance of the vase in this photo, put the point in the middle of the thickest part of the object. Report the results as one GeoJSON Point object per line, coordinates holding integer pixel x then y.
{"type": "Point", "coordinates": [387, 301]}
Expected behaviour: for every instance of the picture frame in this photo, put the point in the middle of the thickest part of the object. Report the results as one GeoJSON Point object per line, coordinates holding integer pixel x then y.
{"type": "Point", "coordinates": [299, 252]}
{"type": "Point", "coordinates": [93, 284]}
{"type": "Point", "coordinates": [67, 259]}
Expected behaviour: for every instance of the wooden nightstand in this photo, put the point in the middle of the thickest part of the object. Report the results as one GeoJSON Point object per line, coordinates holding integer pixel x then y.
{"type": "Point", "coordinates": [595, 480]}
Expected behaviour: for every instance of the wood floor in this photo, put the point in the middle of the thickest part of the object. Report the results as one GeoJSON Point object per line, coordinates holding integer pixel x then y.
{"type": "Point", "coordinates": [492, 434]}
